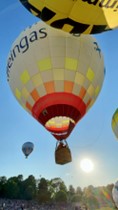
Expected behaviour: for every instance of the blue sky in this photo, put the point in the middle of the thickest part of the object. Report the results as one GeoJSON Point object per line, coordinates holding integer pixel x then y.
{"type": "Point", "coordinates": [92, 137]}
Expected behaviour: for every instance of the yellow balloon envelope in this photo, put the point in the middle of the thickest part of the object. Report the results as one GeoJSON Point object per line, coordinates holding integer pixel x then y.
{"type": "Point", "coordinates": [114, 123]}
{"type": "Point", "coordinates": [55, 76]}
{"type": "Point", "coordinates": [76, 16]}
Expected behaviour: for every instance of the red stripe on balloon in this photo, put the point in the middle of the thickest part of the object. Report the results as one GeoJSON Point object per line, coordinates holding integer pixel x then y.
{"type": "Point", "coordinates": [59, 104]}
{"type": "Point", "coordinates": [60, 100]}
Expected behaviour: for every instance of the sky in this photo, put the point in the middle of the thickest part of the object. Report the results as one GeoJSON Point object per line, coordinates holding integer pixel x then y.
{"type": "Point", "coordinates": [92, 137]}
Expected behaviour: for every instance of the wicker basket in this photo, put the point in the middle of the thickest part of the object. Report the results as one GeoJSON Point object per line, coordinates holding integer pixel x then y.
{"type": "Point", "coordinates": [63, 155]}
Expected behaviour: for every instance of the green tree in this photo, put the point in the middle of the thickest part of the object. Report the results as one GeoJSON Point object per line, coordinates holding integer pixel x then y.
{"type": "Point", "coordinates": [29, 188]}
{"type": "Point", "coordinates": [3, 181]}
{"type": "Point", "coordinates": [43, 194]}
{"type": "Point", "coordinates": [89, 199]}
{"type": "Point", "coordinates": [57, 184]}
{"type": "Point", "coordinates": [78, 194]}
{"type": "Point", "coordinates": [71, 193]}
{"type": "Point", "coordinates": [12, 189]}
{"type": "Point", "coordinates": [61, 196]}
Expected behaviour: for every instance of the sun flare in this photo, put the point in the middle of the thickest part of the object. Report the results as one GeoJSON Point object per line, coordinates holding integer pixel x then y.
{"type": "Point", "coordinates": [87, 165]}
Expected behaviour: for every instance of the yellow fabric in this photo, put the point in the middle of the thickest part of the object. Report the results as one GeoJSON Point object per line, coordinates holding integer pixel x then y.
{"type": "Point", "coordinates": [90, 74]}
{"type": "Point", "coordinates": [45, 64]}
{"type": "Point", "coordinates": [17, 93]}
{"type": "Point", "coordinates": [25, 77]}
{"type": "Point", "coordinates": [88, 13]}
{"type": "Point", "coordinates": [71, 64]}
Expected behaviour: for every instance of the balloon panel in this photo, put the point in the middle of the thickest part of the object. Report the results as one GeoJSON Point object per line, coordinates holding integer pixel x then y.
{"type": "Point", "coordinates": [78, 16]}
{"type": "Point", "coordinates": [114, 123]}
{"type": "Point", "coordinates": [53, 73]}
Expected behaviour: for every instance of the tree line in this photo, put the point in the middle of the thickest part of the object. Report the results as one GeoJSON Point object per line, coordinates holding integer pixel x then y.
{"type": "Point", "coordinates": [54, 190]}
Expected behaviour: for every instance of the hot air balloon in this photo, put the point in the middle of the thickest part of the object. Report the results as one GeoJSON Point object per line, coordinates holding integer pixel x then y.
{"type": "Point", "coordinates": [55, 76]}
{"type": "Point", "coordinates": [76, 16]}
{"type": "Point", "coordinates": [115, 193]}
{"type": "Point", "coordinates": [27, 148]}
{"type": "Point", "coordinates": [114, 123]}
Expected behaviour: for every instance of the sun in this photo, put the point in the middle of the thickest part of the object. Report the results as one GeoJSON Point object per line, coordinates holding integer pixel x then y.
{"type": "Point", "coordinates": [86, 165]}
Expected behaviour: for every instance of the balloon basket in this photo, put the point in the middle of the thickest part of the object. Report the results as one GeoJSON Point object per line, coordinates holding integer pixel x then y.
{"type": "Point", "coordinates": [62, 154]}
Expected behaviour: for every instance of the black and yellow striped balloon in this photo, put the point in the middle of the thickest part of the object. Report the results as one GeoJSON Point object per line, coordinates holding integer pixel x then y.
{"type": "Point", "coordinates": [76, 16]}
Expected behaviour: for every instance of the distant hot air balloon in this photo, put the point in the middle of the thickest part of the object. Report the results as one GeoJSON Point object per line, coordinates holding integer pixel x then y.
{"type": "Point", "coordinates": [55, 76]}
{"type": "Point", "coordinates": [27, 148]}
{"type": "Point", "coordinates": [114, 123]}
{"type": "Point", "coordinates": [115, 193]}
{"type": "Point", "coordinates": [76, 16]}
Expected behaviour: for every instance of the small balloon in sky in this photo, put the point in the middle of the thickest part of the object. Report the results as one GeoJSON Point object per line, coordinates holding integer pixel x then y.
{"type": "Point", "coordinates": [76, 16]}
{"type": "Point", "coordinates": [27, 148]}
